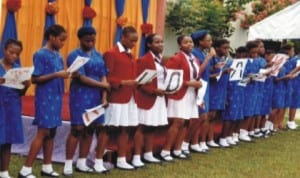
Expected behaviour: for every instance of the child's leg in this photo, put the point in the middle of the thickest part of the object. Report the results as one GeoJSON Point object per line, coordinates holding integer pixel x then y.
{"type": "Point", "coordinates": [72, 140]}
{"type": "Point", "coordinates": [138, 140]}
{"type": "Point", "coordinates": [172, 133]}
{"type": "Point", "coordinates": [102, 139]}
{"type": "Point", "coordinates": [122, 142]}
{"type": "Point", "coordinates": [292, 114]}
{"type": "Point", "coordinates": [149, 136]}
{"type": "Point", "coordinates": [181, 135]}
{"type": "Point", "coordinates": [211, 128]}
{"type": "Point", "coordinates": [5, 151]}
{"type": "Point", "coordinates": [48, 146]}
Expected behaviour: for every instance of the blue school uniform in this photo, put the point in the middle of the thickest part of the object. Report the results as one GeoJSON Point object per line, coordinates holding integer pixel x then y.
{"type": "Point", "coordinates": [82, 96]}
{"type": "Point", "coordinates": [249, 91]}
{"type": "Point", "coordinates": [295, 102]}
{"type": "Point", "coordinates": [258, 86]}
{"type": "Point", "coordinates": [289, 66]}
{"type": "Point", "coordinates": [11, 127]}
{"type": "Point", "coordinates": [217, 89]}
{"type": "Point", "coordinates": [205, 76]}
{"type": "Point", "coordinates": [48, 95]}
{"type": "Point", "coordinates": [234, 101]}
{"type": "Point", "coordinates": [278, 98]}
{"type": "Point", "coordinates": [267, 96]}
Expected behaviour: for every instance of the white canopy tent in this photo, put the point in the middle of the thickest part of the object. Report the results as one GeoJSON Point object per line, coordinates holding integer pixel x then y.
{"type": "Point", "coordinates": [284, 24]}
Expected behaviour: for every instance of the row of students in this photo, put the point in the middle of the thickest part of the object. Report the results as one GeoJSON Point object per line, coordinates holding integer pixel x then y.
{"type": "Point", "coordinates": [110, 80]}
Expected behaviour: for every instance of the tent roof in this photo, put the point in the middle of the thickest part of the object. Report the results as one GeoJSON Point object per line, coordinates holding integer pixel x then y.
{"type": "Point", "coordinates": [284, 24]}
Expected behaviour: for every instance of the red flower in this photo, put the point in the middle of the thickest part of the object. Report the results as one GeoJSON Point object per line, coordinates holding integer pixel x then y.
{"type": "Point", "coordinates": [147, 28]}
{"type": "Point", "coordinates": [13, 5]}
{"type": "Point", "coordinates": [88, 12]}
{"type": "Point", "coordinates": [122, 21]}
{"type": "Point", "coordinates": [52, 8]}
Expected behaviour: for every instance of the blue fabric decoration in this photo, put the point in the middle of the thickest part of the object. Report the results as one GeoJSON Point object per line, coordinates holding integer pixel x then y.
{"type": "Point", "coordinates": [145, 8]}
{"type": "Point", "coordinates": [199, 34]}
{"type": "Point", "coordinates": [9, 31]}
{"type": "Point", "coordinates": [119, 9]}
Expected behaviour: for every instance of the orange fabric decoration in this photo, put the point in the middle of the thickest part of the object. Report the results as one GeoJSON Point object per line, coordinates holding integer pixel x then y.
{"type": "Point", "coordinates": [122, 21]}
{"type": "Point", "coordinates": [13, 5]}
{"type": "Point", "coordinates": [88, 12]}
{"type": "Point", "coordinates": [52, 8]}
{"type": "Point", "coordinates": [147, 28]}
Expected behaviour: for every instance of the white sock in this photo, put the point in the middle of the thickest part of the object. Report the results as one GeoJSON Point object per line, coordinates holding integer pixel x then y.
{"type": "Point", "coordinates": [177, 152]}
{"type": "Point", "coordinates": [136, 157]}
{"type": "Point", "coordinates": [121, 159]}
{"type": "Point", "coordinates": [148, 155]}
{"type": "Point", "coordinates": [68, 166]}
{"type": "Point", "coordinates": [185, 146]}
{"type": "Point", "coordinates": [47, 168]}
{"type": "Point", "coordinates": [4, 174]}
{"type": "Point", "coordinates": [257, 130]}
{"type": "Point", "coordinates": [26, 170]}
{"type": "Point", "coordinates": [165, 152]}
{"type": "Point", "coordinates": [81, 162]}
{"type": "Point", "coordinates": [99, 165]}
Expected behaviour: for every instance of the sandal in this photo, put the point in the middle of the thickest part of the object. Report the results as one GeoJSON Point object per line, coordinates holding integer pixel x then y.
{"type": "Point", "coordinates": [26, 176]}
{"type": "Point", "coordinates": [167, 158]}
{"type": "Point", "coordinates": [180, 156]}
{"type": "Point", "coordinates": [89, 170]}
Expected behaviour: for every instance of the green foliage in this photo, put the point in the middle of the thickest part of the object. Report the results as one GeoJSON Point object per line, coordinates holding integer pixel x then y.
{"type": "Point", "coordinates": [186, 16]}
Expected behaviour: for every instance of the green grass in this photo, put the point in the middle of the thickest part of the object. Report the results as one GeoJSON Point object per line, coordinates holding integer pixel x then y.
{"type": "Point", "coordinates": [274, 157]}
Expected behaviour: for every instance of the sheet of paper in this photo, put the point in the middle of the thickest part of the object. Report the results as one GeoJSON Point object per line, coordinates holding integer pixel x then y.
{"type": "Point", "coordinates": [238, 66]}
{"type": "Point", "coordinates": [278, 60]}
{"type": "Point", "coordinates": [265, 71]}
{"type": "Point", "coordinates": [15, 77]}
{"type": "Point", "coordinates": [78, 62]}
{"type": "Point", "coordinates": [173, 81]}
{"type": "Point", "coordinates": [92, 114]}
{"type": "Point", "coordinates": [145, 77]}
{"type": "Point", "coordinates": [201, 93]}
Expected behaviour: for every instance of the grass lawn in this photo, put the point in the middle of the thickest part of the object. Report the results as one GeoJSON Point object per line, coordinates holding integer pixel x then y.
{"type": "Point", "coordinates": [273, 157]}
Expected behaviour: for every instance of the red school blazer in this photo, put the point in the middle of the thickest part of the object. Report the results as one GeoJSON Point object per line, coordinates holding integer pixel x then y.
{"type": "Point", "coordinates": [121, 66]}
{"type": "Point", "coordinates": [145, 96]}
{"type": "Point", "coordinates": [178, 61]}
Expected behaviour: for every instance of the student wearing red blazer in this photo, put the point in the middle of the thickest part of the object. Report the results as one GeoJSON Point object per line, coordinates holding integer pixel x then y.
{"type": "Point", "coordinates": [182, 104]}
{"type": "Point", "coordinates": [152, 109]}
{"type": "Point", "coordinates": [121, 112]}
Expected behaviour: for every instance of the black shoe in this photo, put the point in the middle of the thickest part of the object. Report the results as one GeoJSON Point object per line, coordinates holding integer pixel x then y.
{"type": "Point", "coordinates": [50, 174]}
{"type": "Point", "coordinates": [22, 176]}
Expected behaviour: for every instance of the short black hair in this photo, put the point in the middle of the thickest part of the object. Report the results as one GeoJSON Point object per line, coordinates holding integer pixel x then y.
{"type": "Point", "coordinates": [180, 38]}
{"type": "Point", "coordinates": [149, 40]}
{"type": "Point", "coordinates": [54, 30]}
{"type": "Point", "coordinates": [241, 49]}
{"type": "Point", "coordinates": [285, 48]}
{"type": "Point", "coordinates": [13, 41]}
{"type": "Point", "coordinates": [86, 31]}
{"type": "Point", "coordinates": [127, 30]}
{"type": "Point", "coordinates": [251, 44]}
{"type": "Point", "coordinates": [219, 42]}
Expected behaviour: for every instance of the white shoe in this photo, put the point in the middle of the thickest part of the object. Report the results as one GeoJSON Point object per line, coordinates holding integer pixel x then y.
{"type": "Point", "coordinates": [197, 148]}
{"type": "Point", "coordinates": [204, 146]}
{"type": "Point", "coordinates": [258, 134]}
{"type": "Point", "coordinates": [292, 125]}
{"type": "Point", "coordinates": [245, 138]}
{"type": "Point", "coordinates": [230, 141]}
{"type": "Point", "coordinates": [212, 144]}
{"type": "Point", "coordinates": [223, 143]}
{"type": "Point", "coordinates": [137, 163]}
{"type": "Point", "coordinates": [100, 169]}
{"type": "Point", "coordinates": [122, 164]}
{"type": "Point", "coordinates": [151, 160]}
{"type": "Point", "coordinates": [235, 137]}
{"type": "Point", "coordinates": [166, 157]}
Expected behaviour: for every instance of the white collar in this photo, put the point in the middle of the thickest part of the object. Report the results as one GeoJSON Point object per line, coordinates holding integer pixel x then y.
{"type": "Point", "coordinates": [155, 57]}
{"type": "Point", "coordinates": [121, 48]}
{"type": "Point", "coordinates": [188, 57]}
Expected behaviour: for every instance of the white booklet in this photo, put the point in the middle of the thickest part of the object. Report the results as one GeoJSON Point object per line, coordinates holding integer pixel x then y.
{"type": "Point", "coordinates": [78, 62]}
{"type": "Point", "coordinates": [201, 93]}
{"type": "Point", "coordinates": [173, 81]}
{"type": "Point", "coordinates": [92, 114]}
{"type": "Point", "coordinates": [14, 77]}
{"type": "Point", "coordinates": [147, 76]}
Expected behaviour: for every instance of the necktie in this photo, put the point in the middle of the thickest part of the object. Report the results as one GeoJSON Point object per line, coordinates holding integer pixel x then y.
{"type": "Point", "coordinates": [158, 61]}
{"type": "Point", "coordinates": [194, 68]}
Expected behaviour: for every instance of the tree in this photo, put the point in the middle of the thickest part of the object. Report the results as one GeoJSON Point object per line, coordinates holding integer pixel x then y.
{"type": "Point", "coordinates": [186, 16]}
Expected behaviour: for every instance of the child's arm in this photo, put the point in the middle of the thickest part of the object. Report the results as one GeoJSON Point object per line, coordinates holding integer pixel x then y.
{"type": "Point", "coordinates": [47, 77]}
{"type": "Point", "coordinates": [26, 84]}
{"type": "Point", "coordinates": [104, 93]}
{"type": "Point", "coordinates": [91, 82]}
{"type": "Point", "coordinates": [210, 55]}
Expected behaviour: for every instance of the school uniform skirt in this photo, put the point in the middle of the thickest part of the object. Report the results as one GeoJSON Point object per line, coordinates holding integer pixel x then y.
{"type": "Point", "coordinates": [185, 108]}
{"type": "Point", "coordinates": [155, 116]}
{"type": "Point", "coordinates": [122, 114]}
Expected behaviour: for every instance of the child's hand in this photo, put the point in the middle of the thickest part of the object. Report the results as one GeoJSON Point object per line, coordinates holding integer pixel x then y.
{"type": "Point", "coordinates": [75, 74]}
{"type": "Point", "coordinates": [63, 74]}
{"type": "Point", "coordinates": [26, 83]}
{"type": "Point", "coordinates": [194, 83]}
{"type": "Point", "coordinates": [159, 92]}
{"type": "Point", "coordinates": [104, 103]}
{"type": "Point", "coordinates": [228, 70]}
{"type": "Point", "coordinates": [2, 80]}
{"type": "Point", "coordinates": [212, 52]}
{"type": "Point", "coordinates": [106, 85]}
{"type": "Point", "coordinates": [129, 82]}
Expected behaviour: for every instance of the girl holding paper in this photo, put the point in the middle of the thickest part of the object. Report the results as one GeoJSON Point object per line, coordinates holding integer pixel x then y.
{"type": "Point", "coordinates": [11, 129]}
{"type": "Point", "coordinates": [48, 76]}
{"type": "Point", "coordinates": [87, 90]}
{"type": "Point", "coordinates": [182, 104]}
{"type": "Point", "coordinates": [151, 101]}
{"type": "Point", "coordinates": [199, 127]}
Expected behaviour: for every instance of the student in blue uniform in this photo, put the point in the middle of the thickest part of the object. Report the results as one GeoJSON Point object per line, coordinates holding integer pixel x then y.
{"type": "Point", "coordinates": [250, 95]}
{"type": "Point", "coordinates": [11, 129]}
{"type": "Point", "coordinates": [219, 76]}
{"type": "Point", "coordinates": [87, 90]}
{"type": "Point", "coordinates": [199, 127]}
{"type": "Point", "coordinates": [233, 112]}
{"type": "Point", "coordinates": [48, 75]}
